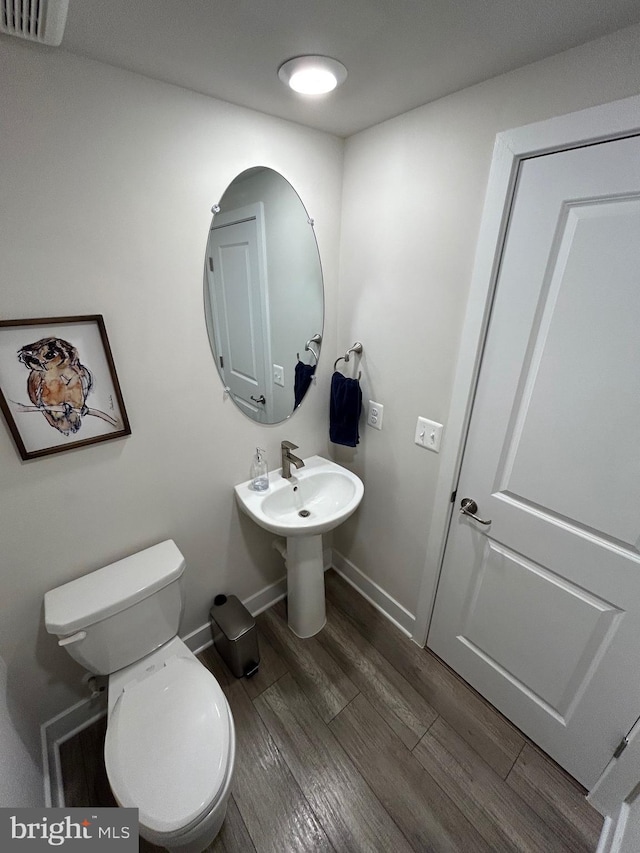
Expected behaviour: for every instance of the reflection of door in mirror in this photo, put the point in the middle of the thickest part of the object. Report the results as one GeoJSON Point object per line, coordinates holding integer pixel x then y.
{"type": "Point", "coordinates": [263, 294]}
{"type": "Point", "coordinates": [237, 284]}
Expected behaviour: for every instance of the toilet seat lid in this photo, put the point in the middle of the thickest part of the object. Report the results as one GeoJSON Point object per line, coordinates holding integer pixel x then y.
{"type": "Point", "coordinates": [167, 745]}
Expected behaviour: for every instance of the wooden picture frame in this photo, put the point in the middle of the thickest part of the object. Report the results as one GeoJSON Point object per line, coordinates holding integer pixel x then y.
{"type": "Point", "coordinates": [58, 384]}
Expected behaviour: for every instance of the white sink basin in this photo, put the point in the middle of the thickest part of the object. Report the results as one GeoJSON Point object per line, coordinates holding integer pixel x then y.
{"type": "Point", "coordinates": [316, 499]}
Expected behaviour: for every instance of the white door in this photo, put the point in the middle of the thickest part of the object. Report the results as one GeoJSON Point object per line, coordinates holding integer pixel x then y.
{"type": "Point", "coordinates": [540, 609]}
{"type": "Point", "coordinates": [237, 289]}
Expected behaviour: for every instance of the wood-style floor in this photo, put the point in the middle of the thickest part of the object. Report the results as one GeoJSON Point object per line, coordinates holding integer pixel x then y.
{"type": "Point", "coordinates": [358, 740]}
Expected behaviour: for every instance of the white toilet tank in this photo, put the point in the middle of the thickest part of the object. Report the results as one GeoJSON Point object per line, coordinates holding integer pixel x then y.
{"type": "Point", "coordinates": [116, 615]}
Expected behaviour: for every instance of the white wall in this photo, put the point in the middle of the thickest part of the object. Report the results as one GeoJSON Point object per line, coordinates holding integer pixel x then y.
{"type": "Point", "coordinates": [21, 782]}
{"type": "Point", "coordinates": [107, 181]}
{"type": "Point", "coordinates": [412, 200]}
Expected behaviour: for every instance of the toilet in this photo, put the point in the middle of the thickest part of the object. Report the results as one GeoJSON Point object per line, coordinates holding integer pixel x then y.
{"type": "Point", "coordinates": [170, 744]}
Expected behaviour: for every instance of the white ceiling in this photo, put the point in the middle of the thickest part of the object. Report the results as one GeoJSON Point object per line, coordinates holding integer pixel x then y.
{"type": "Point", "coordinates": [399, 53]}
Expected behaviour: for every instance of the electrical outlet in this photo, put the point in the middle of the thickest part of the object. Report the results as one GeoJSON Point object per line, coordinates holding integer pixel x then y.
{"type": "Point", "coordinates": [374, 414]}
{"type": "Point", "coordinates": [278, 375]}
{"type": "Point", "coordinates": [428, 434]}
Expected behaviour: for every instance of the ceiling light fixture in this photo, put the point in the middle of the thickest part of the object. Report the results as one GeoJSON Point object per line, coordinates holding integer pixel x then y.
{"type": "Point", "coordinates": [312, 75]}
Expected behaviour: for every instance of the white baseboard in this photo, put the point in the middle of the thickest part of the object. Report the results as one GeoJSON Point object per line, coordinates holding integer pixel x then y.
{"type": "Point", "coordinates": [374, 594]}
{"type": "Point", "coordinates": [199, 639]}
{"type": "Point", "coordinates": [55, 732]}
{"type": "Point", "coordinates": [267, 597]}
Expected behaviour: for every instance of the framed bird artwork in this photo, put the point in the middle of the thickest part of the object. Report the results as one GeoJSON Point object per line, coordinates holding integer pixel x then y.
{"type": "Point", "coordinates": [58, 384]}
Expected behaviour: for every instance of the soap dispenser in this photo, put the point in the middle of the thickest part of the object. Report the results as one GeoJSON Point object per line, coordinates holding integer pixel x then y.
{"type": "Point", "coordinates": [259, 476]}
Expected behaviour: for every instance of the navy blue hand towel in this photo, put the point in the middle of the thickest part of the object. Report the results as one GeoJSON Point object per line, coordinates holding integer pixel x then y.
{"type": "Point", "coordinates": [344, 411]}
{"type": "Point", "coordinates": [301, 381]}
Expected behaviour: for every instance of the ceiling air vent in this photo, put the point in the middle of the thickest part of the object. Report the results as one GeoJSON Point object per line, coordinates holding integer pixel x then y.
{"type": "Point", "coordinates": [35, 20]}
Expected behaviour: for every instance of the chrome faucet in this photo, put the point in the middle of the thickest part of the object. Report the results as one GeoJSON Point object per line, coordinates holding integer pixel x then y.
{"type": "Point", "coordinates": [288, 459]}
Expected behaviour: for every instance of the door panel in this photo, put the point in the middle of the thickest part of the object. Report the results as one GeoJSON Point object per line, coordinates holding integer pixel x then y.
{"type": "Point", "coordinates": [237, 290]}
{"type": "Point", "coordinates": [502, 623]}
{"type": "Point", "coordinates": [540, 610]}
{"type": "Point", "coordinates": [585, 342]}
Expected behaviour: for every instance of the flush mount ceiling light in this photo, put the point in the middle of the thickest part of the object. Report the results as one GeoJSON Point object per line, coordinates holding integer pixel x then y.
{"type": "Point", "coordinates": [312, 75]}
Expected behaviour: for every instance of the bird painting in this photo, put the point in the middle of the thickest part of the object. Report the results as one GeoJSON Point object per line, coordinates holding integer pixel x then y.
{"type": "Point", "coordinates": [58, 384]}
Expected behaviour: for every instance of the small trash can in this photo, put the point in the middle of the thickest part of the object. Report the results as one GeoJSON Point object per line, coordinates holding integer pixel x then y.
{"type": "Point", "coordinates": [235, 635]}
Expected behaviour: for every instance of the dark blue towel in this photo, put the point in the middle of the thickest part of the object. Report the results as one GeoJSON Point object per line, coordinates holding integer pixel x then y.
{"type": "Point", "coordinates": [301, 381]}
{"type": "Point", "coordinates": [344, 411]}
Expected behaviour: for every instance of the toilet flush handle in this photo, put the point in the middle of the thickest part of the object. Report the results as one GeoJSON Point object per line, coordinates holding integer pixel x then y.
{"type": "Point", "coordinates": [74, 638]}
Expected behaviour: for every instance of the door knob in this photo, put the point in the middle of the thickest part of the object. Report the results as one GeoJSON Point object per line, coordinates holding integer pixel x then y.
{"type": "Point", "coordinates": [259, 399]}
{"type": "Point", "coordinates": [469, 507]}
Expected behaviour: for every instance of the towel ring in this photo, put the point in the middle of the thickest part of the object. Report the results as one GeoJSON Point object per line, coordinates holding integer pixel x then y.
{"type": "Point", "coordinates": [356, 348]}
{"type": "Point", "coordinates": [316, 339]}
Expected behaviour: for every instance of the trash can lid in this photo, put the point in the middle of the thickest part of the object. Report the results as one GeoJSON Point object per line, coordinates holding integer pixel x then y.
{"type": "Point", "coordinates": [231, 616]}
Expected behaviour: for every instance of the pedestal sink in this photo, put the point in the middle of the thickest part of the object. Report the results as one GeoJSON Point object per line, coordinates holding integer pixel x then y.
{"type": "Point", "coordinates": [313, 501]}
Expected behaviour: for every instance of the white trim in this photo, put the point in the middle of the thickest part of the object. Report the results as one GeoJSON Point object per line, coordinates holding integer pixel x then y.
{"type": "Point", "coordinates": [55, 732]}
{"type": "Point", "coordinates": [619, 778]}
{"type": "Point", "coordinates": [492, 229]}
{"type": "Point", "coordinates": [596, 124]}
{"type": "Point", "coordinates": [46, 768]}
{"type": "Point", "coordinates": [614, 837]}
{"type": "Point", "coordinates": [620, 829]}
{"type": "Point", "coordinates": [267, 597]}
{"type": "Point", "coordinates": [199, 639]}
{"type": "Point", "coordinates": [606, 836]}
{"type": "Point", "coordinates": [53, 784]}
{"type": "Point", "coordinates": [374, 594]}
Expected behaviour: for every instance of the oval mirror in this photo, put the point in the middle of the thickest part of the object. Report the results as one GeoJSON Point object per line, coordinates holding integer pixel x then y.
{"type": "Point", "coordinates": [263, 294]}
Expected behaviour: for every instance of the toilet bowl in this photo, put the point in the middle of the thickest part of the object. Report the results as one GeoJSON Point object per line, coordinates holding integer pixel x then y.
{"type": "Point", "coordinates": [170, 746]}
{"type": "Point", "coordinates": [170, 743]}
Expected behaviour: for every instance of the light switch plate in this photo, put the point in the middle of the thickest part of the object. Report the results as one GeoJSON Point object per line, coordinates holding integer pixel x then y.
{"type": "Point", "coordinates": [428, 434]}
{"type": "Point", "coordinates": [278, 375]}
{"type": "Point", "coordinates": [374, 414]}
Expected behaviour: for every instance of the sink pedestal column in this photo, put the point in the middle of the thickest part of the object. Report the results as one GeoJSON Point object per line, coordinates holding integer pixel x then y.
{"type": "Point", "coordinates": [305, 585]}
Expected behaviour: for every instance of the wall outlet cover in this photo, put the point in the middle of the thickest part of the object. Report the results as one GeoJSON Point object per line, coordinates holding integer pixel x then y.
{"type": "Point", "coordinates": [374, 414]}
